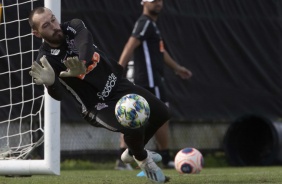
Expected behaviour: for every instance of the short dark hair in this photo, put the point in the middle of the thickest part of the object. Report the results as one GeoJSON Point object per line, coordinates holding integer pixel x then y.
{"type": "Point", "coordinates": [37, 10]}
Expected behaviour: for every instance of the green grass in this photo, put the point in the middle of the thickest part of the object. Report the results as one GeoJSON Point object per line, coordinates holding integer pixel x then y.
{"type": "Point", "coordinates": [219, 175]}
{"type": "Point", "coordinates": [216, 171]}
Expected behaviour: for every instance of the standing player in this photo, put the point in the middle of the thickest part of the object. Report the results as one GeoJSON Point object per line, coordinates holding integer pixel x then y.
{"type": "Point", "coordinates": [147, 48]}
{"type": "Point", "coordinates": [68, 61]}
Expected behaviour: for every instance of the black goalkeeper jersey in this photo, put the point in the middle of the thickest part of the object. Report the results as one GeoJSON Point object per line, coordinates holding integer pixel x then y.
{"type": "Point", "coordinates": [99, 84]}
{"type": "Point", "coordinates": [148, 56]}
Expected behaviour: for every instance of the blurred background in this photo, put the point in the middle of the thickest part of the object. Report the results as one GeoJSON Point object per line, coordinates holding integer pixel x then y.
{"type": "Point", "coordinates": [232, 104]}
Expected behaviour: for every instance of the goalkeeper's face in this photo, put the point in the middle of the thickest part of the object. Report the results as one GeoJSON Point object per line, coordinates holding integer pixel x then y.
{"type": "Point", "coordinates": [48, 28]}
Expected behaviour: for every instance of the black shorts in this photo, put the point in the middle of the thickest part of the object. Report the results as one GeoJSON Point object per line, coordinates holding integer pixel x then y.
{"type": "Point", "coordinates": [103, 115]}
{"type": "Point", "coordinates": [159, 92]}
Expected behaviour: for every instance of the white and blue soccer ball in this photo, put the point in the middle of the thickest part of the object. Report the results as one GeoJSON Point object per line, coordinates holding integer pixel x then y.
{"type": "Point", "coordinates": [132, 111]}
{"type": "Point", "coordinates": [189, 161]}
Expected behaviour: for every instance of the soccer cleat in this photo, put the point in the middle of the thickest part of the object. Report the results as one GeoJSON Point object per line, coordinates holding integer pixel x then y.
{"type": "Point", "coordinates": [127, 158]}
{"type": "Point", "coordinates": [141, 174]}
{"type": "Point", "coordinates": [123, 166]}
{"type": "Point", "coordinates": [151, 170]}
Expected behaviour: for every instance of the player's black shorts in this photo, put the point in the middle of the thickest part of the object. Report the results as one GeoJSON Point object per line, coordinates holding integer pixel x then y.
{"type": "Point", "coordinates": [103, 115]}
{"type": "Point", "coordinates": [158, 90]}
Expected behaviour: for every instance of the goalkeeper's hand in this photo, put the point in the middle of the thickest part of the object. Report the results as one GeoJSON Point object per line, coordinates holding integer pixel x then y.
{"type": "Point", "coordinates": [42, 74]}
{"type": "Point", "coordinates": [75, 68]}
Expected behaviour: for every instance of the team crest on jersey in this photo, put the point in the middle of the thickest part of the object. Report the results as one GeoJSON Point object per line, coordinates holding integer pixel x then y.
{"type": "Point", "coordinates": [55, 52]}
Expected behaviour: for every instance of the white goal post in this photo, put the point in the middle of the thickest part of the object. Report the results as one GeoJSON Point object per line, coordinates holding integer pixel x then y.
{"type": "Point", "coordinates": [51, 128]}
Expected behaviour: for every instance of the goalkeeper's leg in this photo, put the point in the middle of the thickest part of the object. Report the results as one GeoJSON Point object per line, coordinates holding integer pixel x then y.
{"type": "Point", "coordinates": [136, 139]}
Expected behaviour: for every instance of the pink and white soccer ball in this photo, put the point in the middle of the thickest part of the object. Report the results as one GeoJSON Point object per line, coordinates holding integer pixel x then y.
{"type": "Point", "coordinates": [189, 161]}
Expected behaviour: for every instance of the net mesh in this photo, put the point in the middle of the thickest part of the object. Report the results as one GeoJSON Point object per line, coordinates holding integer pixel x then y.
{"type": "Point", "coordinates": [21, 102]}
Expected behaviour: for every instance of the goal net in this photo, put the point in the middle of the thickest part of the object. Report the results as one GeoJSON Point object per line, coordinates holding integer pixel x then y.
{"type": "Point", "coordinates": [28, 116]}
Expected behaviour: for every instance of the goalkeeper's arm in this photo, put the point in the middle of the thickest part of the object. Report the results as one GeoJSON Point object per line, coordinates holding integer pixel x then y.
{"type": "Point", "coordinates": [83, 40]}
{"type": "Point", "coordinates": [45, 75]}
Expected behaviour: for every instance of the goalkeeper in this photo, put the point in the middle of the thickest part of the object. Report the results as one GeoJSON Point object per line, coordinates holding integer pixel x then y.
{"type": "Point", "coordinates": [68, 61]}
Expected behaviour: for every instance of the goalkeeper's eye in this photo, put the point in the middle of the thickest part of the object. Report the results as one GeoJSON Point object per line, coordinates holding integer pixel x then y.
{"type": "Point", "coordinates": [53, 18]}
{"type": "Point", "coordinates": [45, 25]}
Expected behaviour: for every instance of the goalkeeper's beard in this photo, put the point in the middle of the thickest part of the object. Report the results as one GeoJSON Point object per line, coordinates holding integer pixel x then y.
{"type": "Point", "coordinates": [57, 38]}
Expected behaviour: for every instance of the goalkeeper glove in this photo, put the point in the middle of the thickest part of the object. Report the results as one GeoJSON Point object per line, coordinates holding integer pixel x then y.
{"type": "Point", "coordinates": [42, 74]}
{"type": "Point", "coordinates": [75, 68]}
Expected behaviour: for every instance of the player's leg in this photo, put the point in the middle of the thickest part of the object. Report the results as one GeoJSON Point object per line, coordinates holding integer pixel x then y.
{"type": "Point", "coordinates": [103, 115]}
{"type": "Point", "coordinates": [159, 112]}
{"type": "Point", "coordinates": [158, 117]}
{"type": "Point", "coordinates": [125, 157]}
{"type": "Point", "coordinates": [145, 162]}
{"type": "Point", "coordinates": [122, 143]}
{"type": "Point", "coordinates": [120, 165]}
{"type": "Point", "coordinates": [162, 134]}
{"type": "Point", "coordinates": [162, 138]}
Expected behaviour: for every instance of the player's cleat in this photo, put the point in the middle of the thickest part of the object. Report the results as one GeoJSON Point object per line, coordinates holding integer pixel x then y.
{"type": "Point", "coordinates": [141, 174]}
{"type": "Point", "coordinates": [123, 166]}
{"type": "Point", "coordinates": [127, 158]}
{"type": "Point", "coordinates": [151, 170]}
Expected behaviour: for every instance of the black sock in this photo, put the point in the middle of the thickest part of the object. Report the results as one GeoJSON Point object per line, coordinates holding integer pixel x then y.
{"type": "Point", "coordinates": [165, 155]}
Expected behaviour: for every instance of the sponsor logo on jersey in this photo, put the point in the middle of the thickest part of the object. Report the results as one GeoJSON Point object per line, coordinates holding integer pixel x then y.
{"type": "Point", "coordinates": [111, 82]}
{"type": "Point", "coordinates": [55, 52]}
{"type": "Point", "coordinates": [101, 106]}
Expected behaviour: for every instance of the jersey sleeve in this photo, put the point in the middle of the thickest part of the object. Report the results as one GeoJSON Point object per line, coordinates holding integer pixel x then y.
{"type": "Point", "coordinates": [82, 39]}
{"type": "Point", "coordinates": [56, 90]}
{"type": "Point", "coordinates": [141, 29]}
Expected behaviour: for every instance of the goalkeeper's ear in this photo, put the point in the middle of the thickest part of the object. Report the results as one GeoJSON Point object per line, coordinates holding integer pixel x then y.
{"type": "Point", "coordinates": [36, 33]}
